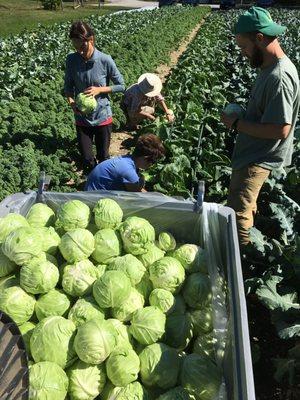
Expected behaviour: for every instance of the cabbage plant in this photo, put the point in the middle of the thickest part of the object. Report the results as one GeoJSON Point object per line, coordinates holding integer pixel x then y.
{"type": "Point", "coordinates": [108, 214]}
{"type": "Point", "coordinates": [111, 289]}
{"type": "Point", "coordinates": [131, 267]}
{"type": "Point", "coordinates": [134, 302]}
{"type": "Point", "coordinates": [166, 241]}
{"type": "Point", "coordinates": [153, 254]}
{"type": "Point", "coordinates": [78, 278]}
{"type": "Point", "coordinates": [107, 246]}
{"type": "Point", "coordinates": [38, 276]}
{"type": "Point", "coordinates": [10, 223]}
{"type": "Point", "coordinates": [40, 215]}
{"type": "Point", "coordinates": [167, 274]}
{"type": "Point", "coordinates": [148, 325]}
{"type": "Point", "coordinates": [123, 366]}
{"type": "Point", "coordinates": [197, 290]}
{"type": "Point", "coordinates": [137, 235]}
{"type": "Point", "coordinates": [47, 380]}
{"type": "Point", "coordinates": [77, 245]}
{"type": "Point", "coordinates": [72, 215]}
{"type": "Point", "coordinates": [162, 299]}
{"type": "Point", "coordinates": [94, 341]}
{"type": "Point", "coordinates": [160, 366]}
{"type": "Point", "coordinates": [85, 309]}
{"type": "Point", "coordinates": [52, 340]}
{"type": "Point", "coordinates": [55, 302]}
{"type": "Point", "coordinates": [15, 302]}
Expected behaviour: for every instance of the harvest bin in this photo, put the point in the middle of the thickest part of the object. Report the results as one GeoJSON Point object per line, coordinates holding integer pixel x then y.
{"type": "Point", "coordinates": [211, 226]}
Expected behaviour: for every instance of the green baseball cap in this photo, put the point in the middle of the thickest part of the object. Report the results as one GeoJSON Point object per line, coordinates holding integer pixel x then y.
{"type": "Point", "coordinates": [257, 19]}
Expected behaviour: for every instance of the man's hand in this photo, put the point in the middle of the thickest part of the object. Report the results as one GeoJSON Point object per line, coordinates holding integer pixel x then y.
{"type": "Point", "coordinates": [170, 117]}
{"type": "Point", "coordinates": [93, 91]}
{"type": "Point", "coordinates": [228, 120]}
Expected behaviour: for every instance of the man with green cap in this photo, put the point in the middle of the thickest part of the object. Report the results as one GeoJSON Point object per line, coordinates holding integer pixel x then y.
{"type": "Point", "coordinates": [265, 133]}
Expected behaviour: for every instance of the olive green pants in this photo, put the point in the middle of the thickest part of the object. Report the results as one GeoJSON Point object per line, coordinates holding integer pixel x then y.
{"type": "Point", "coordinates": [244, 189]}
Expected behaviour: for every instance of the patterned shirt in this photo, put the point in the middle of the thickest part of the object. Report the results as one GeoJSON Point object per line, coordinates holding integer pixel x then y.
{"type": "Point", "coordinates": [134, 99]}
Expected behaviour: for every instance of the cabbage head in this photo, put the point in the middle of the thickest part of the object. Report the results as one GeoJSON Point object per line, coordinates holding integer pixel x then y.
{"type": "Point", "coordinates": [200, 377]}
{"type": "Point", "coordinates": [100, 269]}
{"type": "Point", "coordinates": [77, 245]}
{"type": "Point", "coordinates": [148, 325]}
{"type": "Point", "coordinates": [133, 391]}
{"type": "Point", "coordinates": [160, 366]}
{"type": "Point", "coordinates": [107, 246]}
{"type": "Point", "coordinates": [86, 104]}
{"type": "Point", "coordinates": [26, 330]}
{"type": "Point", "coordinates": [85, 309]}
{"type": "Point", "coordinates": [179, 330]}
{"type": "Point", "coordinates": [131, 267]}
{"type": "Point", "coordinates": [137, 235]}
{"type": "Point", "coordinates": [18, 304]}
{"type": "Point", "coordinates": [47, 380]}
{"type": "Point", "coordinates": [72, 215]}
{"type": "Point", "coordinates": [50, 240]}
{"type": "Point", "coordinates": [134, 302]}
{"type": "Point", "coordinates": [191, 257]}
{"type": "Point", "coordinates": [179, 307]}
{"type": "Point", "coordinates": [166, 241]}
{"type": "Point", "coordinates": [204, 345]}
{"type": "Point", "coordinates": [111, 289]}
{"type": "Point", "coordinates": [78, 278]}
{"type": "Point", "coordinates": [123, 337]}
{"type": "Point", "coordinates": [38, 276]}
{"type": "Point", "coordinates": [10, 223]}
{"type": "Point", "coordinates": [162, 299]}
{"type": "Point", "coordinates": [177, 393]}
{"type": "Point", "coordinates": [40, 215]}
{"type": "Point", "coordinates": [95, 341]}
{"type": "Point", "coordinates": [108, 214]}
{"type": "Point", "coordinates": [202, 320]}
{"type": "Point", "coordinates": [197, 290]}
{"type": "Point", "coordinates": [153, 254]}
{"type": "Point", "coordinates": [167, 274]}
{"type": "Point", "coordinates": [123, 366]}
{"type": "Point", "coordinates": [52, 340]}
{"type": "Point", "coordinates": [233, 108]}
{"type": "Point", "coordinates": [86, 381]}
{"type": "Point", "coordinates": [6, 265]}
{"type": "Point", "coordinates": [55, 302]}
{"type": "Point", "coordinates": [23, 244]}
{"type": "Point", "coordinates": [145, 286]}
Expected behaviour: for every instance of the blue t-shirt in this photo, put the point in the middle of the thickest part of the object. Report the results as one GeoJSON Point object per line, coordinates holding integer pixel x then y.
{"type": "Point", "coordinates": [112, 174]}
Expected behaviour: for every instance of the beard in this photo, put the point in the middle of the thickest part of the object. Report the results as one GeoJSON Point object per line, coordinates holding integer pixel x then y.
{"type": "Point", "coordinates": [257, 58]}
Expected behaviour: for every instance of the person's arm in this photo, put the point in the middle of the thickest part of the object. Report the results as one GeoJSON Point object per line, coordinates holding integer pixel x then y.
{"type": "Point", "coordinates": [162, 104]}
{"type": "Point", "coordinates": [146, 115]}
{"type": "Point", "coordinates": [259, 130]}
{"type": "Point", "coordinates": [116, 77]}
{"type": "Point", "coordinates": [69, 87]}
{"type": "Point", "coordinates": [133, 182]}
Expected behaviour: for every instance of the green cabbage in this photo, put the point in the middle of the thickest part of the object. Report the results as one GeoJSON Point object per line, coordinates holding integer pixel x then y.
{"type": "Point", "coordinates": [77, 245]}
{"type": "Point", "coordinates": [131, 267]}
{"type": "Point", "coordinates": [134, 302]}
{"type": "Point", "coordinates": [52, 340]}
{"type": "Point", "coordinates": [159, 366]}
{"type": "Point", "coordinates": [26, 330]}
{"type": "Point", "coordinates": [86, 381]}
{"type": "Point", "coordinates": [197, 290]}
{"type": "Point", "coordinates": [15, 302]}
{"type": "Point", "coordinates": [123, 337]}
{"type": "Point", "coordinates": [40, 215]}
{"type": "Point", "coordinates": [202, 320]}
{"type": "Point", "coordinates": [145, 287]}
{"type": "Point", "coordinates": [78, 278]}
{"type": "Point", "coordinates": [50, 240]}
{"type": "Point", "coordinates": [85, 309]}
{"type": "Point", "coordinates": [148, 325]}
{"type": "Point", "coordinates": [137, 235]}
{"type": "Point", "coordinates": [10, 223]}
{"type": "Point", "coordinates": [179, 330]}
{"type": "Point", "coordinates": [108, 214]}
{"type": "Point", "coordinates": [191, 257]}
{"type": "Point", "coordinates": [200, 377]}
{"type": "Point", "coordinates": [167, 274]}
{"type": "Point", "coordinates": [38, 276]}
{"type": "Point", "coordinates": [133, 391]}
{"type": "Point", "coordinates": [47, 380]}
{"type": "Point", "coordinates": [111, 289]}
{"type": "Point", "coordinates": [162, 299]}
{"type": "Point", "coordinates": [123, 366]}
{"type": "Point", "coordinates": [95, 341]}
{"type": "Point", "coordinates": [72, 215]}
{"type": "Point", "coordinates": [177, 393]}
{"type": "Point", "coordinates": [204, 345]}
{"type": "Point", "coordinates": [55, 302]}
{"type": "Point", "coordinates": [166, 241]}
{"type": "Point", "coordinates": [23, 244]}
{"type": "Point", "coordinates": [86, 104]}
{"type": "Point", "coordinates": [6, 265]}
{"type": "Point", "coordinates": [100, 269]}
{"type": "Point", "coordinates": [107, 246]}
{"type": "Point", "coordinates": [153, 254]}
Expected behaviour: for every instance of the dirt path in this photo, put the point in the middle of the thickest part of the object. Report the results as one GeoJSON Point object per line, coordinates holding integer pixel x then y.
{"type": "Point", "coordinates": [120, 141]}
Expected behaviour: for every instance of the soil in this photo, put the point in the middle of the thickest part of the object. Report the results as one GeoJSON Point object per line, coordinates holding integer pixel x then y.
{"type": "Point", "coordinates": [121, 141]}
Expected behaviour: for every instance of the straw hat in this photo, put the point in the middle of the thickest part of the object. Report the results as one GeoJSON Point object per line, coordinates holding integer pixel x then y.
{"type": "Point", "coordinates": [150, 84]}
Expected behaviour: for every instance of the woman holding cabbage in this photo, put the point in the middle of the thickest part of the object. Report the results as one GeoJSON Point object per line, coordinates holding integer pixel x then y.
{"type": "Point", "coordinates": [87, 86]}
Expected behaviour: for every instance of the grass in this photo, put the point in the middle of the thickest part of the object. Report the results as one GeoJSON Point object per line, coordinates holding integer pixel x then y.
{"type": "Point", "coordinates": [17, 15]}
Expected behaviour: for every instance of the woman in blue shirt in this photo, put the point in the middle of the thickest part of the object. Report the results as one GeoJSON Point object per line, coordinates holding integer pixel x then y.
{"type": "Point", "coordinates": [90, 71]}
{"type": "Point", "coordinates": [122, 173]}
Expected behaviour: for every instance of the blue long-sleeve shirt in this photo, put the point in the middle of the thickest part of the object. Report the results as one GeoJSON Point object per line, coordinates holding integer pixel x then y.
{"type": "Point", "coordinates": [99, 70]}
